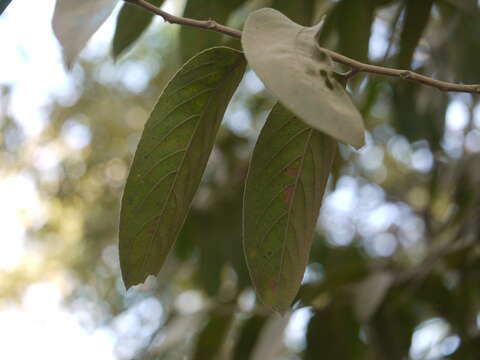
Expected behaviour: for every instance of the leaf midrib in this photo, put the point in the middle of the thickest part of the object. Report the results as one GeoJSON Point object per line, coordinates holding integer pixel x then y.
{"type": "Point", "coordinates": [290, 206]}
{"type": "Point", "coordinates": [179, 168]}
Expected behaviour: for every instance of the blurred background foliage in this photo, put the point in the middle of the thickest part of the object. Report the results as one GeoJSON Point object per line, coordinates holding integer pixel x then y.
{"type": "Point", "coordinates": [394, 267]}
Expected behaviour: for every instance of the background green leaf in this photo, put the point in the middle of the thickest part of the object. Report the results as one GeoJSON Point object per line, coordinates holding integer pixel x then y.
{"type": "Point", "coordinates": [288, 174]}
{"type": "Point", "coordinates": [349, 23]}
{"type": "Point", "coordinates": [416, 17]}
{"type": "Point", "coordinates": [333, 333]}
{"type": "Point", "coordinates": [132, 21]}
{"type": "Point", "coordinates": [3, 5]}
{"type": "Point", "coordinates": [275, 45]}
{"type": "Point", "coordinates": [192, 40]}
{"type": "Point", "coordinates": [171, 157]}
{"type": "Point", "coordinates": [249, 336]}
{"type": "Point", "coordinates": [212, 338]}
{"type": "Point", "coordinates": [300, 11]}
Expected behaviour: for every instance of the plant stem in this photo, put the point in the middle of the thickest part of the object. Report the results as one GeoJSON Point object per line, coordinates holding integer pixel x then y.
{"type": "Point", "coordinates": [356, 66]}
{"type": "Point", "coordinates": [172, 19]}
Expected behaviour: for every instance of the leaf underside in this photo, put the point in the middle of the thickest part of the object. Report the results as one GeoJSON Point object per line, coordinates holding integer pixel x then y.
{"type": "Point", "coordinates": [287, 58]}
{"type": "Point", "coordinates": [74, 22]}
{"type": "Point", "coordinates": [284, 190]}
{"type": "Point", "coordinates": [171, 157]}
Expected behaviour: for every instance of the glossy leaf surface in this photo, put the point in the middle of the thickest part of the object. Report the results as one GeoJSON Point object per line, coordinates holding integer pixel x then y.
{"type": "Point", "coordinates": [171, 157]}
{"type": "Point", "coordinates": [287, 177]}
{"type": "Point", "coordinates": [287, 58]}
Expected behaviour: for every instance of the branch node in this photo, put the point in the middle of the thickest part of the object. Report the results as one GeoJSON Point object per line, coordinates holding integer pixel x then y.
{"type": "Point", "coordinates": [406, 75]}
{"type": "Point", "coordinates": [211, 24]}
{"type": "Point", "coordinates": [351, 73]}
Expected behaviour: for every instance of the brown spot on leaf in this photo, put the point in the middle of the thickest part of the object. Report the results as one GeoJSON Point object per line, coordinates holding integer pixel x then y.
{"type": "Point", "coordinates": [288, 193]}
{"type": "Point", "coordinates": [291, 171]}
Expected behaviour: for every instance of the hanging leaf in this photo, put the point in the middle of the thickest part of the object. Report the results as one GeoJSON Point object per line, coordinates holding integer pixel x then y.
{"type": "Point", "coordinates": [171, 157]}
{"type": "Point", "coordinates": [3, 5]}
{"type": "Point", "coordinates": [417, 14]}
{"type": "Point", "coordinates": [74, 22]}
{"type": "Point", "coordinates": [192, 40]}
{"type": "Point", "coordinates": [132, 21]}
{"type": "Point", "coordinates": [287, 58]}
{"type": "Point", "coordinates": [284, 189]}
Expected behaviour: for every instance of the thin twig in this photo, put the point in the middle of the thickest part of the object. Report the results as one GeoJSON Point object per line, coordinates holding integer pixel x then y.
{"type": "Point", "coordinates": [356, 66]}
{"type": "Point", "coordinates": [403, 74]}
{"type": "Point", "coordinates": [172, 19]}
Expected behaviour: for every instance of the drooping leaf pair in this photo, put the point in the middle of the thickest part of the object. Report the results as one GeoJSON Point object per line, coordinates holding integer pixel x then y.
{"type": "Point", "coordinates": [289, 167]}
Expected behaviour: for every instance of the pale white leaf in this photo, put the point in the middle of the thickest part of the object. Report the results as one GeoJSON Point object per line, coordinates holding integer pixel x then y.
{"type": "Point", "coordinates": [289, 61]}
{"type": "Point", "coordinates": [75, 21]}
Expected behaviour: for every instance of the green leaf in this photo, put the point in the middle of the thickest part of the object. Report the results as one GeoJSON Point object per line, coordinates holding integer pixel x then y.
{"type": "Point", "coordinates": [300, 11]}
{"type": "Point", "coordinates": [351, 22]}
{"type": "Point", "coordinates": [3, 5]}
{"type": "Point", "coordinates": [284, 189]}
{"type": "Point", "coordinates": [334, 333]}
{"type": "Point", "coordinates": [287, 58]}
{"type": "Point", "coordinates": [212, 338]}
{"type": "Point", "coordinates": [249, 336]}
{"type": "Point", "coordinates": [132, 21]}
{"type": "Point", "coordinates": [171, 157]}
{"type": "Point", "coordinates": [74, 22]}
{"type": "Point", "coordinates": [194, 40]}
{"type": "Point", "coordinates": [417, 15]}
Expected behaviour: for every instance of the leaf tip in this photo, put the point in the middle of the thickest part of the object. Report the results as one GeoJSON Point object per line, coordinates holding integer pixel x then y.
{"type": "Point", "coordinates": [359, 141]}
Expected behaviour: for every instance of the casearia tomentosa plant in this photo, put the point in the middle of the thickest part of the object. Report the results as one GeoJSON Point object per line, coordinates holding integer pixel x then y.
{"type": "Point", "coordinates": [291, 161]}
{"type": "Point", "coordinates": [290, 164]}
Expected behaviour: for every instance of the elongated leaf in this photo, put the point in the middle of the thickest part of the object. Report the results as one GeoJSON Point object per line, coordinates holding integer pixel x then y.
{"type": "Point", "coordinates": [3, 5]}
{"type": "Point", "coordinates": [287, 177]}
{"type": "Point", "coordinates": [287, 58]}
{"type": "Point", "coordinates": [132, 21]}
{"type": "Point", "coordinates": [171, 157]}
{"type": "Point", "coordinates": [192, 40]}
{"type": "Point", "coordinates": [417, 14]}
{"type": "Point", "coordinates": [74, 22]}
{"type": "Point", "coordinates": [212, 338]}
